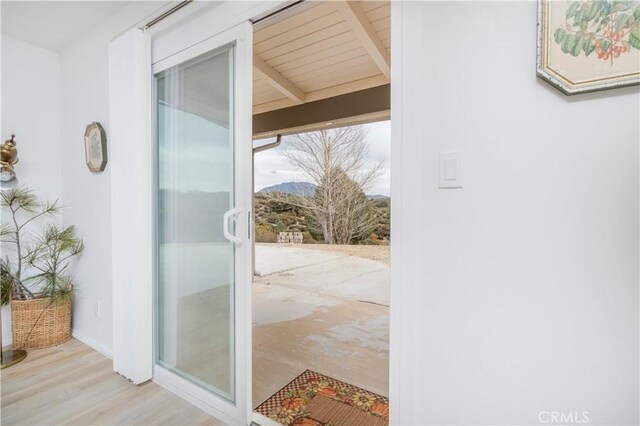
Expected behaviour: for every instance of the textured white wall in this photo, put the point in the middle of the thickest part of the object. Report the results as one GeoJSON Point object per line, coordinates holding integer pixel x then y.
{"type": "Point", "coordinates": [31, 110]}
{"type": "Point", "coordinates": [518, 293]}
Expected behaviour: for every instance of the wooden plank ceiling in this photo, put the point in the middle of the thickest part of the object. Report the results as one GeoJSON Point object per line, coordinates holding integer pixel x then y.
{"type": "Point", "coordinates": [318, 50]}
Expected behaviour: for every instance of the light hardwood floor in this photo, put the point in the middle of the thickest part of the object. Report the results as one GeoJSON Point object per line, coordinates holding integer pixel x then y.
{"type": "Point", "coordinates": [72, 384]}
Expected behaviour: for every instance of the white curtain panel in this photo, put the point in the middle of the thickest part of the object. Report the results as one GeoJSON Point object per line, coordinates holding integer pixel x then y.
{"type": "Point", "coordinates": [131, 162]}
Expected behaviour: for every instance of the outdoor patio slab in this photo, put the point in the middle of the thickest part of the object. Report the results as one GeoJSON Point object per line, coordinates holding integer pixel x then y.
{"type": "Point", "coordinates": [277, 258]}
{"type": "Point", "coordinates": [335, 274]}
{"type": "Point", "coordinates": [327, 312]}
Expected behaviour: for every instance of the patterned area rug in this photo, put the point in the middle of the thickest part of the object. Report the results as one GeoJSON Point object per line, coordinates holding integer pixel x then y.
{"type": "Point", "coordinates": [313, 399]}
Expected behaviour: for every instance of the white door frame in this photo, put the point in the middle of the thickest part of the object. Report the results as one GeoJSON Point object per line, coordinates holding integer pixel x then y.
{"type": "Point", "coordinates": [241, 36]}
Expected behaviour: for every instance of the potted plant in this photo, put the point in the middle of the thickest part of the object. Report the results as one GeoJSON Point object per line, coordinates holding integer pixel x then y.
{"type": "Point", "coordinates": [34, 276]}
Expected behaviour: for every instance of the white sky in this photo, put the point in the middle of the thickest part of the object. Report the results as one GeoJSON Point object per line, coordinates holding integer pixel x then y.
{"type": "Point", "coordinates": [271, 168]}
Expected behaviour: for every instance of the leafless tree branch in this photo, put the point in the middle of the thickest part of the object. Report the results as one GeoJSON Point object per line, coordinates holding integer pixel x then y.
{"type": "Point", "coordinates": [337, 162]}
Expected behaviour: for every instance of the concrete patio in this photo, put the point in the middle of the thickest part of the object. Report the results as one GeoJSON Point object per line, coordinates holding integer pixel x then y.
{"type": "Point", "coordinates": [324, 311]}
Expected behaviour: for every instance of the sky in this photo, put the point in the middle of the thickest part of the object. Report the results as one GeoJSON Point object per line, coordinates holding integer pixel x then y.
{"type": "Point", "coordinates": [272, 168]}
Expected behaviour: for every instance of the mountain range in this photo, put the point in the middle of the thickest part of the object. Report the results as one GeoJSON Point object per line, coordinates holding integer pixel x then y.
{"type": "Point", "coordinates": [305, 189]}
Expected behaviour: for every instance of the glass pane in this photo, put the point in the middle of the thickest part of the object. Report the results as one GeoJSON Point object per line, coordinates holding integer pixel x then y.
{"type": "Point", "coordinates": [195, 291]}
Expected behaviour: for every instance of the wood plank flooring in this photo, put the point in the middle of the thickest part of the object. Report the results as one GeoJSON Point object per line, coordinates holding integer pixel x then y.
{"type": "Point", "coordinates": [72, 384]}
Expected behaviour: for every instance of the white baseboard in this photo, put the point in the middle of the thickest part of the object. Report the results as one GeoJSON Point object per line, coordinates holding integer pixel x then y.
{"type": "Point", "coordinates": [79, 336]}
{"type": "Point", "coordinates": [92, 343]}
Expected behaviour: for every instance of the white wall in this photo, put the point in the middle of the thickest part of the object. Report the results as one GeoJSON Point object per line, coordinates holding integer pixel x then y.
{"type": "Point", "coordinates": [31, 110]}
{"type": "Point", "coordinates": [518, 293]}
{"type": "Point", "coordinates": [85, 88]}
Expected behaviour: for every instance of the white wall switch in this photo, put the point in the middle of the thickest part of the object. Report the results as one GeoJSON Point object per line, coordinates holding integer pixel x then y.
{"type": "Point", "coordinates": [450, 173]}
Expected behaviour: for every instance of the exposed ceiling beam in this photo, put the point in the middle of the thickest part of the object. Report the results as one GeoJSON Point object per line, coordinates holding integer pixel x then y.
{"type": "Point", "coordinates": [361, 106]}
{"type": "Point", "coordinates": [328, 92]}
{"type": "Point", "coordinates": [277, 80]}
{"type": "Point", "coordinates": [359, 23]}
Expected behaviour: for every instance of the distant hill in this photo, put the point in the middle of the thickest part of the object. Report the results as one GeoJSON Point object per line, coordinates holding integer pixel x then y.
{"type": "Point", "coordinates": [305, 189]}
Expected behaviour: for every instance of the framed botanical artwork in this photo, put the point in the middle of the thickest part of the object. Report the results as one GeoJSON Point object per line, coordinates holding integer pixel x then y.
{"type": "Point", "coordinates": [588, 45]}
{"type": "Point", "coordinates": [95, 147]}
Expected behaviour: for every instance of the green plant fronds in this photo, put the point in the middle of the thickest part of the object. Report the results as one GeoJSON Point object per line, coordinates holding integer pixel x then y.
{"type": "Point", "coordinates": [6, 282]}
{"type": "Point", "coordinates": [20, 198]}
{"type": "Point", "coordinates": [64, 289]}
{"type": "Point", "coordinates": [42, 257]}
{"type": "Point", "coordinates": [7, 233]}
{"type": "Point", "coordinates": [12, 287]}
{"type": "Point", "coordinates": [50, 255]}
{"type": "Point", "coordinates": [58, 288]}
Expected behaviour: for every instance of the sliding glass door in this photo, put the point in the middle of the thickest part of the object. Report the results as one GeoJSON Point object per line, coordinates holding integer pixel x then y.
{"type": "Point", "coordinates": [202, 238]}
{"type": "Point", "coordinates": [195, 189]}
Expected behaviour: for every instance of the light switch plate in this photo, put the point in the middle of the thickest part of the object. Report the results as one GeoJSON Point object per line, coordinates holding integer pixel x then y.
{"type": "Point", "coordinates": [450, 171]}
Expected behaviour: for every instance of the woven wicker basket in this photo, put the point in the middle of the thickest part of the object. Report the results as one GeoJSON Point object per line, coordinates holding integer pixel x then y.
{"type": "Point", "coordinates": [38, 323]}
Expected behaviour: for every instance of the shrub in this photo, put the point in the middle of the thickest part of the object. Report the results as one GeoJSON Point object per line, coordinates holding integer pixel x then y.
{"type": "Point", "coordinates": [307, 238]}
{"type": "Point", "coordinates": [272, 217]}
{"type": "Point", "coordinates": [280, 226]}
{"type": "Point", "coordinates": [265, 234]}
{"type": "Point", "coordinates": [372, 239]}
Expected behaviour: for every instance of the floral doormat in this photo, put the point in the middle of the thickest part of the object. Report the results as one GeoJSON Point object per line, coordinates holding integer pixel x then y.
{"type": "Point", "coordinates": [313, 399]}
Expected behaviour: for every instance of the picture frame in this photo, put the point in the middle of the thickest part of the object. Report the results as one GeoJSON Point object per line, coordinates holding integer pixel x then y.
{"type": "Point", "coordinates": [586, 46]}
{"type": "Point", "coordinates": [95, 147]}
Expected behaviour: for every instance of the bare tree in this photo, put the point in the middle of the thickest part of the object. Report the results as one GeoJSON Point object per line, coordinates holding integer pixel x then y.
{"type": "Point", "coordinates": [336, 161]}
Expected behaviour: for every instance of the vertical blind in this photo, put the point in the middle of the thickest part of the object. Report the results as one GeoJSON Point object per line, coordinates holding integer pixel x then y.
{"type": "Point", "coordinates": [131, 158]}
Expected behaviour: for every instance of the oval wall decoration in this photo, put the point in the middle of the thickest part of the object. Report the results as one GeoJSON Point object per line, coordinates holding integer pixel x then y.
{"type": "Point", "coordinates": [95, 147]}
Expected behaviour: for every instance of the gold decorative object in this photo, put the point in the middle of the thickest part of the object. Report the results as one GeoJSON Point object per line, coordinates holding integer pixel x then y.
{"type": "Point", "coordinates": [8, 157]}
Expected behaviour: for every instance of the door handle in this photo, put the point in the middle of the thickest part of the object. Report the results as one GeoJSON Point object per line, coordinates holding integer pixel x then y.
{"type": "Point", "coordinates": [231, 214]}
